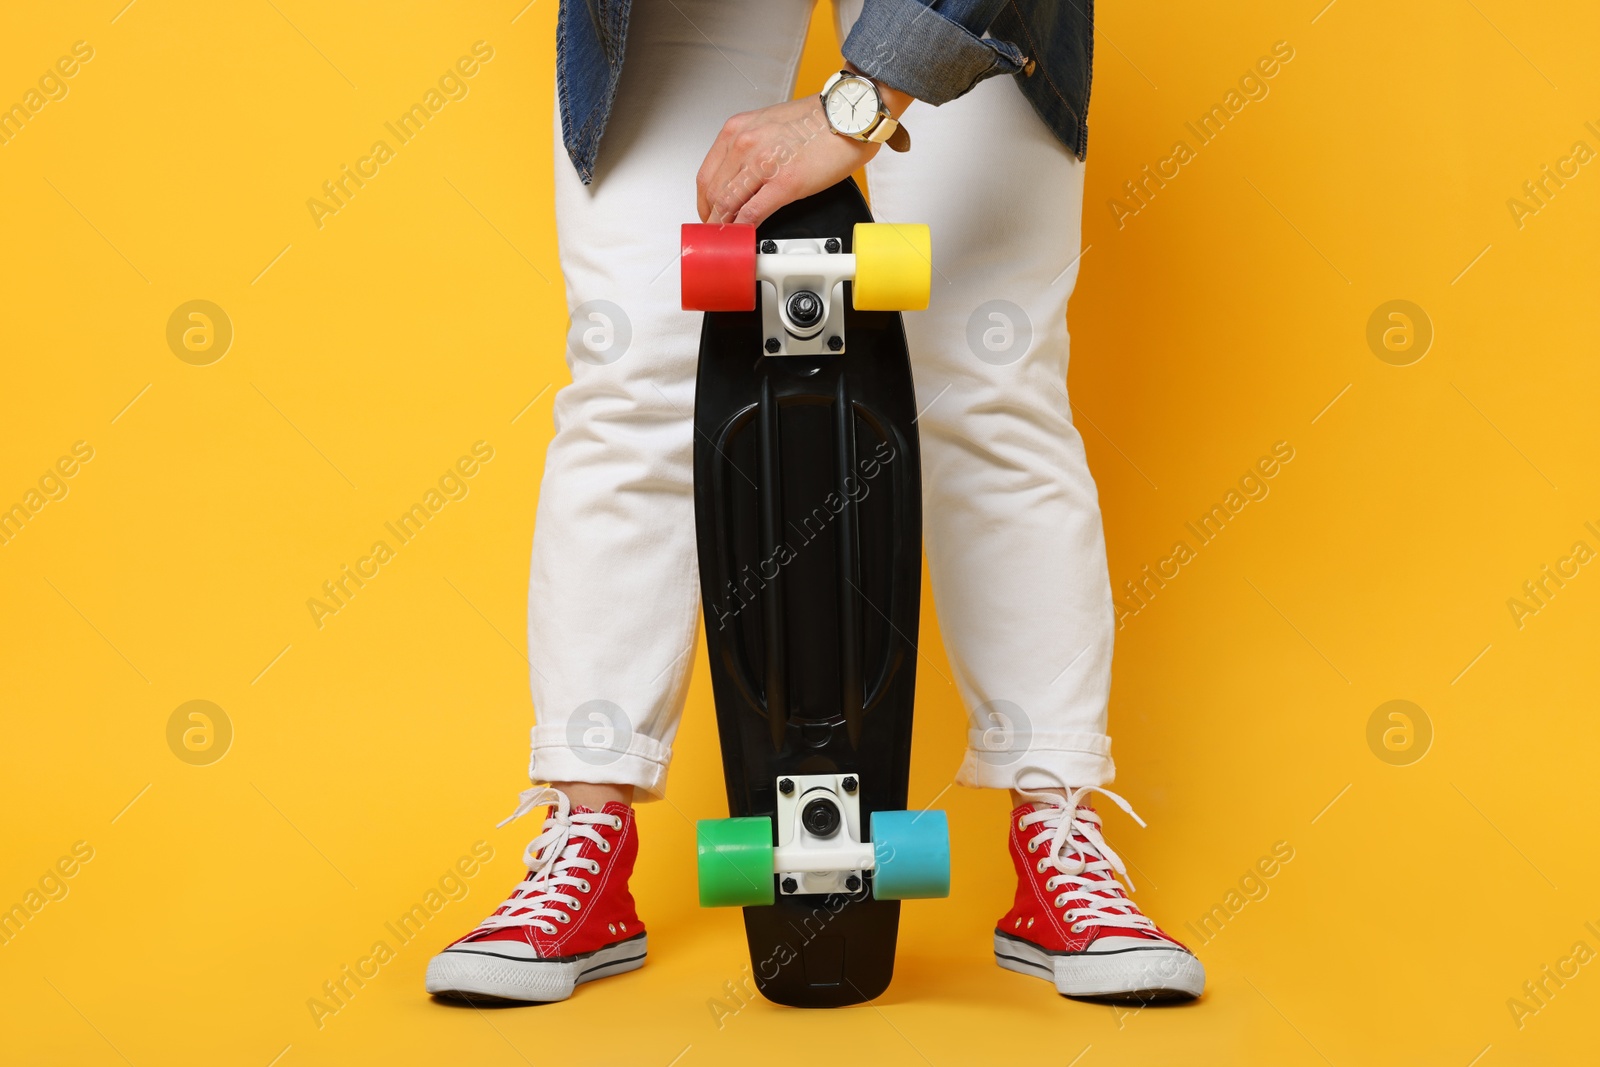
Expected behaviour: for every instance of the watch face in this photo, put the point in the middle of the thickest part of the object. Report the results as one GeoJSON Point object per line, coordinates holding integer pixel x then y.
{"type": "Point", "coordinates": [852, 105]}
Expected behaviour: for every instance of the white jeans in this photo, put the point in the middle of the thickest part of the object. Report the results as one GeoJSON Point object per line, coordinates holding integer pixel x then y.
{"type": "Point", "coordinates": [1011, 519]}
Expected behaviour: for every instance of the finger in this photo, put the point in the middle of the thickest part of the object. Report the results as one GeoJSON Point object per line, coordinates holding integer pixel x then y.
{"type": "Point", "coordinates": [715, 158]}
{"type": "Point", "coordinates": [744, 170]}
{"type": "Point", "coordinates": [770, 197]}
{"type": "Point", "coordinates": [733, 192]}
{"type": "Point", "coordinates": [705, 176]}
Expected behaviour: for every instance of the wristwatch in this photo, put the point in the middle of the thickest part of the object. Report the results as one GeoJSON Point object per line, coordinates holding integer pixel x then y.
{"type": "Point", "coordinates": [854, 108]}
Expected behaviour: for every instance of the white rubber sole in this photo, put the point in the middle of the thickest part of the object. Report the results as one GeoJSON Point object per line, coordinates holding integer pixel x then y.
{"type": "Point", "coordinates": [472, 973]}
{"type": "Point", "coordinates": [1143, 975]}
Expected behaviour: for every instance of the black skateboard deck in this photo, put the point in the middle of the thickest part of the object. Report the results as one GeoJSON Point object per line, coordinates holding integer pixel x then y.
{"type": "Point", "coordinates": [807, 484]}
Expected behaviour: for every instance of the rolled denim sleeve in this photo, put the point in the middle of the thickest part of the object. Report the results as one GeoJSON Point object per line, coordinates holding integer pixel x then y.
{"type": "Point", "coordinates": [933, 55]}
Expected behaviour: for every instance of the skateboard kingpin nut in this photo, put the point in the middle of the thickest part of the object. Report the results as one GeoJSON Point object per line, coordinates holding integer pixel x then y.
{"type": "Point", "coordinates": [805, 309]}
{"type": "Point", "coordinates": [832, 246]}
{"type": "Point", "coordinates": [785, 786]}
{"type": "Point", "coordinates": [849, 784]}
{"type": "Point", "coordinates": [820, 817]}
{"type": "Point", "coordinates": [773, 344]}
{"type": "Point", "coordinates": [769, 247]}
{"type": "Point", "coordinates": [852, 883]}
{"type": "Point", "coordinates": [790, 885]}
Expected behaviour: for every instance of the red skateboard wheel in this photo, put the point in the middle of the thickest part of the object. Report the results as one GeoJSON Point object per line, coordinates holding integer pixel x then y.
{"type": "Point", "coordinates": [719, 266]}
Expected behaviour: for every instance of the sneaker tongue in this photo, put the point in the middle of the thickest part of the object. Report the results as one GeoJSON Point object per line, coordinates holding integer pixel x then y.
{"type": "Point", "coordinates": [576, 809]}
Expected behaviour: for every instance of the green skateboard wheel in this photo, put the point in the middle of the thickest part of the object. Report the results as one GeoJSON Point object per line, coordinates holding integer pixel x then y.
{"type": "Point", "coordinates": [735, 861]}
{"type": "Point", "coordinates": [913, 854]}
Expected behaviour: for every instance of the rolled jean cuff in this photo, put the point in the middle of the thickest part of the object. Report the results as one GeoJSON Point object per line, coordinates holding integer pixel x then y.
{"type": "Point", "coordinates": [1042, 761]}
{"type": "Point", "coordinates": [911, 47]}
{"type": "Point", "coordinates": [639, 761]}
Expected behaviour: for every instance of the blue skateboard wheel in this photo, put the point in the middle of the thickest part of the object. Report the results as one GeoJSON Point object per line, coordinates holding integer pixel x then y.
{"type": "Point", "coordinates": [913, 855]}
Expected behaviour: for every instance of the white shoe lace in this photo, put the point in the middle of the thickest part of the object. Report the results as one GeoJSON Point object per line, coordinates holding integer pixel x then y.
{"type": "Point", "coordinates": [1089, 879]}
{"type": "Point", "coordinates": [553, 861]}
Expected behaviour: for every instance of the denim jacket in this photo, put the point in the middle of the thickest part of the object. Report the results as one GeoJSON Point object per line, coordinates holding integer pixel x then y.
{"type": "Point", "coordinates": [935, 50]}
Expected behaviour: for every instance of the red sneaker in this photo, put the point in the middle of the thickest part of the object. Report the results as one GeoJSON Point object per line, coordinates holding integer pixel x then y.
{"type": "Point", "coordinates": [1073, 924]}
{"type": "Point", "coordinates": [571, 920]}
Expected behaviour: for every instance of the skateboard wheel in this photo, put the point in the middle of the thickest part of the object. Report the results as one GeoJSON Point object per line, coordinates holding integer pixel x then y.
{"type": "Point", "coordinates": [894, 266]}
{"type": "Point", "coordinates": [913, 855]}
{"type": "Point", "coordinates": [735, 862]}
{"type": "Point", "coordinates": [718, 267]}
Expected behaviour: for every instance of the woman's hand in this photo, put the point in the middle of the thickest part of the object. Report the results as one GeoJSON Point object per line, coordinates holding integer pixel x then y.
{"type": "Point", "coordinates": [765, 159]}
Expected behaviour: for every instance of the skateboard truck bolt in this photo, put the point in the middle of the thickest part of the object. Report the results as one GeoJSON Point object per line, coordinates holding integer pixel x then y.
{"type": "Point", "coordinates": [805, 309]}
{"type": "Point", "coordinates": [849, 784]}
{"type": "Point", "coordinates": [773, 345]}
{"type": "Point", "coordinates": [835, 343]}
{"type": "Point", "coordinates": [852, 883]}
{"type": "Point", "coordinates": [790, 885]}
{"type": "Point", "coordinates": [785, 786]}
{"type": "Point", "coordinates": [820, 817]}
{"type": "Point", "coordinates": [832, 246]}
{"type": "Point", "coordinates": [769, 247]}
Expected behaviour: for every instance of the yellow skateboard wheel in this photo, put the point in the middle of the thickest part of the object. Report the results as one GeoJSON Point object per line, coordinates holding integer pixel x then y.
{"type": "Point", "coordinates": [894, 266]}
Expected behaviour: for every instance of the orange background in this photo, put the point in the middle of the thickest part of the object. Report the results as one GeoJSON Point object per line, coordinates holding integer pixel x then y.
{"type": "Point", "coordinates": [1229, 313]}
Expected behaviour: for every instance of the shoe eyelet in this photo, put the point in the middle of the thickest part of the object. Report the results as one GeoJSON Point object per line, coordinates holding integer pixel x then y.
{"type": "Point", "coordinates": [1019, 823]}
{"type": "Point", "coordinates": [624, 927]}
{"type": "Point", "coordinates": [1018, 924]}
{"type": "Point", "coordinates": [1030, 923]}
{"type": "Point", "coordinates": [1076, 928]}
{"type": "Point", "coordinates": [612, 927]}
{"type": "Point", "coordinates": [605, 846]}
{"type": "Point", "coordinates": [616, 822]}
{"type": "Point", "coordinates": [583, 885]}
{"type": "Point", "coordinates": [575, 905]}
{"type": "Point", "coordinates": [1042, 865]}
{"type": "Point", "coordinates": [563, 917]}
{"type": "Point", "coordinates": [1061, 901]}
{"type": "Point", "coordinates": [1032, 848]}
